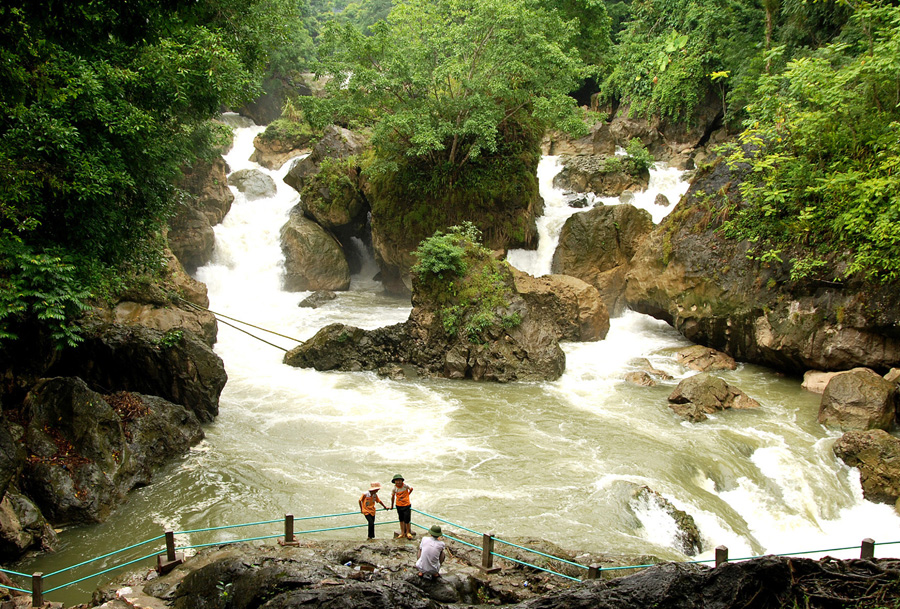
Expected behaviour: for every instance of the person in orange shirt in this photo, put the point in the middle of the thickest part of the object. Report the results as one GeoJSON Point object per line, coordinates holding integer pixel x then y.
{"type": "Point", "coordinates": [400, 493]}
{"type": "Point", "coordinates": [367, 506]}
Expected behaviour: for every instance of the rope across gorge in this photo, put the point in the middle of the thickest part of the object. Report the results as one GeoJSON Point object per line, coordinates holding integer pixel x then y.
{"type": "Point", "coordinates": [168, 554]}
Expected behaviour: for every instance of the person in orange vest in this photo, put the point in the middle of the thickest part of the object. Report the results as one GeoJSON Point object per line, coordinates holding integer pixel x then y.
{"type": "Point", "coordinates": [400, 493]}
{"type": "Point", "coordinates": [367, 506]}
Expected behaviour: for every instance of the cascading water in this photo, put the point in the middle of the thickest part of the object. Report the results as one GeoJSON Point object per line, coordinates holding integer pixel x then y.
{"type": "Point", "coordinates": [556, 460]}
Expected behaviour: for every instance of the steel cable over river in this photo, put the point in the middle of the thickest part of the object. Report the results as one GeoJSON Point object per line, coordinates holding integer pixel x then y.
{"type": "Point", "coordinates": [555, 460]}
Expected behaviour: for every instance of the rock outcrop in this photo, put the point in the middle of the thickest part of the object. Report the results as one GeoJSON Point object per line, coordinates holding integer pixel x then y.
{"type": "Point", "coordinates": [597, 245]}
{"type": "Point", "coordinates": [597, 175]}
{"type": "Point", "coordinates": [379, 575]}
{"type": "Point", "coordinates": [176, 365]}
{"type": "Point", "coordinates": [687, 538]}
{"type": "Point", "coordinates": [574, 305]}
{"type": "Point", "coordinates": [313, 258]}
{"type": "Point", "coordinates": [253, 183]}
{"type": "Point", "coordinates": [473, 325]}
{"type": "Point", "coordinates": [876, 454]}
{"type": "Point", "coordinates": [704, 359]}
{"type": "Point", "coordinates": [703, 394]}
{"type": "Point", "coordinates": [190, 234]}
{"type": "Point", "coordinates": [687, 273]}
{"type": "Point", "coordinates": [858, 400]}
{"type": "Point", "coordinates": [86, 451]}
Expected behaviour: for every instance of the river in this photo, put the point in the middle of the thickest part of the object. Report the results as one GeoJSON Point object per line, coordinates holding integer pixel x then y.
{"type": "Point", "coordinates": [557, 460]}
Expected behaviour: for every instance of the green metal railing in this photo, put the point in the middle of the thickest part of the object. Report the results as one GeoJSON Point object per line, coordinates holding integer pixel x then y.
{"type": "Point", "coordinates": [168, 555]}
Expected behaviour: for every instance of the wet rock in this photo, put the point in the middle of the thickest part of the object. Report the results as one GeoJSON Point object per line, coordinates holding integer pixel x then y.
{"type": "Point", "coordinates": [314, 259]}
{"type": "Point", "coordinates": [177, 365]}
{"type": "Point", "coordinates": [688, 538]}
{"type": "Point", "coordinates": [704, 359]}
{"type": "Point", "coordinates": [486, 330]}
{"type": "Point", "coordinates": [190, 234]}
{"type": "Point", "coordinates": [815, 381]}
{"type": "Point", "coordinates": [578, 203]}
{"type": "Point", "coordinates": [84, 454]}
{"type": "Point", "coordinates": [597, 245]}
{"type": "Point", "coordinates": [645, 365]}
{"type": "Point", "coordinates": [704, 394]}
{"type": "Point", "coordinates": [23, 527]}
{"type": "Point", "coordinates": [598, 141]}
{"type": "Point", "coordinates": [317, 299]}
{"type": "Point", "coordinates": [596, 175]}
{"type": "Point", "coordinates": [661, 200]}
{"type": "Point", "coordinates": [689, 274]}
{"type": "Point", "coordinates": [575, 306]}
{"type": "Point", "coordinates": [640, 378]}
{"type": "Point", "coordinates": [337, 143]}
{"type": "Point", "coordinates": [859, 399]}
{"type": "Point", "coordinates": [253, 183]}
{"type": "Point", "coordinates": [876, 454]}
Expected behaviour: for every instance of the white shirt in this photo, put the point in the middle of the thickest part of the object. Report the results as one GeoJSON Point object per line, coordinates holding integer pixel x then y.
{"type": "Point", "coordinates": [430, 555]}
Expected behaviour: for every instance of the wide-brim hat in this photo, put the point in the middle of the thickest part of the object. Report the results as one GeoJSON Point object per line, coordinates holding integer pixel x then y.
{"type": "Point", "coordinates": [396, 477]}
{"type": "Point", "coordinates": [435, 530]}
{"type": "Point", "coordinates": [375, 486]}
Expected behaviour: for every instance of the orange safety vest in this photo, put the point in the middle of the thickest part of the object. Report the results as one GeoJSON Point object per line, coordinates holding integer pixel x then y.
{"type": "Point", "coordinates": [402, 495]}
{"type": "Point", "coordinates": [367, 502]}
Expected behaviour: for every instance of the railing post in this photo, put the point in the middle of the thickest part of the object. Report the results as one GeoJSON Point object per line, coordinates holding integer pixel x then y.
{"type": "Point", "coordinates": [867, 550]}
{"type": "Point", "coordinates": [487, 556]}
{"type": "Point", "coordinates": [289, 539]}
{"type": "Point", "coordinates": [37, 589]}
{"type": "Point", "coordinates": [594, 571]}
{"type": "Point", "coordinates": [721, 555]}
{"type": "Point", "coordinates": [172, 559]}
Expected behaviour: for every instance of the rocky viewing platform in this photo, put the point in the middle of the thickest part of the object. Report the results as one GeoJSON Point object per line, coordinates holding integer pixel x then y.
{"type": "Point", "coordinates": [380, 574]}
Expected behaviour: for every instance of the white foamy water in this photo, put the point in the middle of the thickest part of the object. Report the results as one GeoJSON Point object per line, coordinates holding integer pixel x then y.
{"type": "Point", "coordinates": [557, 460]}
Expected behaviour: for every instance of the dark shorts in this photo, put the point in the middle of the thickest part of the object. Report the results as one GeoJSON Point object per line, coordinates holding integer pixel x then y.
{"type": "Point", "coordinates": [404, 512]}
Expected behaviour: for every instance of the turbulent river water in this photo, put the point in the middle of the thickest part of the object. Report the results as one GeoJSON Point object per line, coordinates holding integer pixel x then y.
{"type": "Point", "coordinates": [556, 460]}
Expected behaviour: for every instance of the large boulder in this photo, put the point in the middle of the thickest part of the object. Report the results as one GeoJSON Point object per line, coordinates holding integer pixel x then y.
{"type": "Point", "coordinates": [605, 176]}
{"type": "Point", "coordinates": [704, 359]}
{"type": "Point", "coordinates": [597, 142]}
{"type": "Point", "coordinates": [859, 399]}
{"type": "Point", "coordinates": [689, 274]}
{"type": "Point", "coordinates": [576, 306]}
{"type": "Point", "coordinates": [23, 527]}
{"type": "Point", "coordinates": [87, 451]}
{"type": "Point", "coordinates": [176, 365]}
{"type": "Point", "coordinates": [703, 394]}
{"type": "Point", "coordinates": [313, 258]}
{"type": "Point", "coordinates": [190, 233]}
{"type": "Point", "coordinates": [876, 454]}
{"type": "Point", "coordinates": [282, 141]}
{"type": "Point", "coordinates": [183, 307]}
{"type": "Point", "coordinates": [337, 143]}
{"type": "Point", "coordinates": [687, 537]}
{"type": "Point", "coordinates": [253, 183]}
{"type": "Point", "coordinates": [597, 245]}
{"type": "Point", "coordinates": [471, 325]}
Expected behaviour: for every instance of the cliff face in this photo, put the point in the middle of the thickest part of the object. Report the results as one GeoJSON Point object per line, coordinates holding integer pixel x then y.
{"type": "Point", "coordinates": [83, 426]}
{"type": "Point", "coordinates": [707, 287]}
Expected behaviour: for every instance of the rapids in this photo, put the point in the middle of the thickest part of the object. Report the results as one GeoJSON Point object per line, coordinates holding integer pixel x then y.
{"type": "Point", "coordinates": [555, 460]}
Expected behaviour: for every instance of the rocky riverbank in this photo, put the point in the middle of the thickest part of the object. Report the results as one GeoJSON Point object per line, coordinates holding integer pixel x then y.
{"type": "Point", "coordinates": [381, 574]}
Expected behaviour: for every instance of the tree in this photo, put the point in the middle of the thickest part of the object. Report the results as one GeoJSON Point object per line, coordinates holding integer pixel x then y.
{"type": "Point", "coordinates": [822, 142]}
{"type": "Point", "coordinates": [101, 103]}
{"type": "Point", "coordinates": [442, 80]}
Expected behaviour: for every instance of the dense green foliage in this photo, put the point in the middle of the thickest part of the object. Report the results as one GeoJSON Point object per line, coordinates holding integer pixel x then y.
{"type": "Point", "coordinates": [101, 103]}
{"type": "Point", "coordinates": [466, 282]}
{"type": "Point", "coordinates": [441, 82]}
{"type": "Point", "coordinates": [823, 143]}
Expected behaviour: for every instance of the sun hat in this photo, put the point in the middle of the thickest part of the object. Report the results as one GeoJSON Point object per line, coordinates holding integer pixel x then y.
{"type": "Point", "coordinates": [375, 486]}
{"type": "Point", "coordinates": [396, 477]}
{"type": "Point", "coordinates": [435, 530]}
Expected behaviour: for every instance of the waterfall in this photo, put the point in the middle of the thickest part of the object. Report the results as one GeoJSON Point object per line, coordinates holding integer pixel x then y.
{"type": "Point", "coordinates": [555, 460]}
